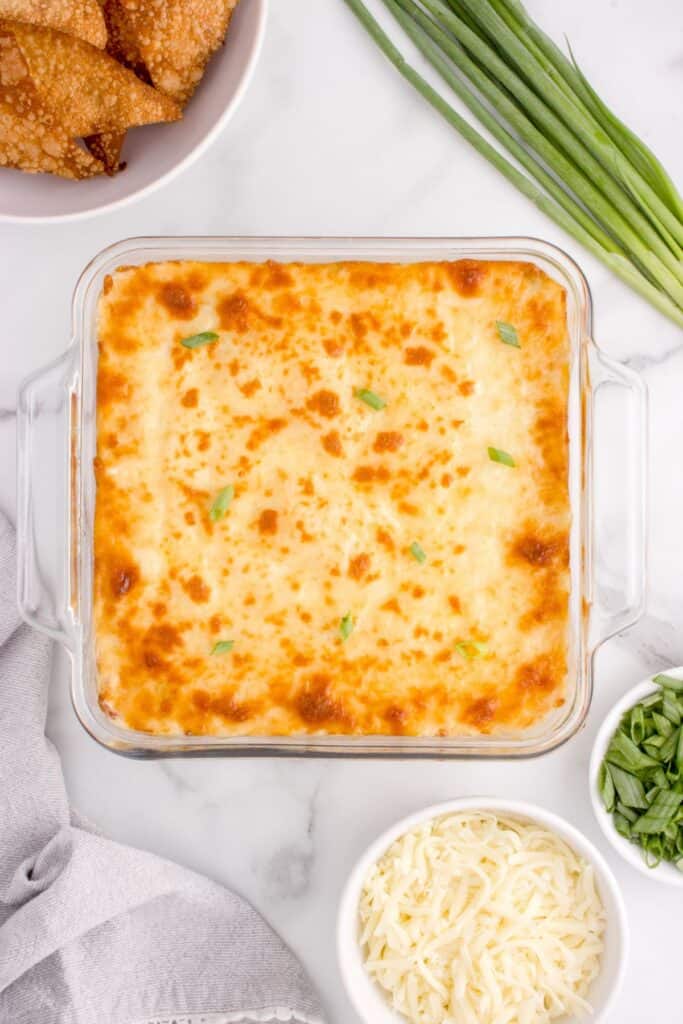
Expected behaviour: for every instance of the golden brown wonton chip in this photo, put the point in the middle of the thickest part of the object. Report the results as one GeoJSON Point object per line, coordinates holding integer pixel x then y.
{"type": "Point", "coordinates": [121, 45]}
{"type": "Point", "coordinates": [121, 40]}
{"type": "Point", "coordinates": [107, 146]}
{"type": "Point", "coordinates": [81, 18]}
{"type": "Point", "coordinates": [31, 138]}
{"type": "Point", "coordinates": [88, 89]}
{"type": "Point", "coordinates": [176, 38]}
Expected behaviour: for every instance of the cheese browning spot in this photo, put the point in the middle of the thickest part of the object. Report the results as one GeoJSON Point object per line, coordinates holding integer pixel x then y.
{"type": "Point", "coordinates": [388, 441]}
{"type": "Point", "coordinates": [325, 403]}
{"type": "Point", "coordinates": [332, 443]}
{"type": "Point", "coordinates": [419, 356]}
{"type": "Point", "coordinates": [267, 523]}
{"type": "Point", "coordinates": [177, 300]}
{"type": "Point", "coordinates": [190, 399]}
{"type": "Point", "coordinates": [123, 578]}
{"type": "Point", "coordinates": [359, 566]}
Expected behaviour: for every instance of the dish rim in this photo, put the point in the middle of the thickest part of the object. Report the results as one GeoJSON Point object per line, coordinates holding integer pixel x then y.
{"type": "Point", "coordinates": [347, 944]}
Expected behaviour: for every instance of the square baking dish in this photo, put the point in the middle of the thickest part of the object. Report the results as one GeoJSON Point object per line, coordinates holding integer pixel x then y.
{"type": "Point", "coordinates": [56, 495]}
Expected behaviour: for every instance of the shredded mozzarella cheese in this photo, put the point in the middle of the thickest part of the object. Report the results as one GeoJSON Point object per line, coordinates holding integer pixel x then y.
{"type": "Point", "coordinates": [472, 918]}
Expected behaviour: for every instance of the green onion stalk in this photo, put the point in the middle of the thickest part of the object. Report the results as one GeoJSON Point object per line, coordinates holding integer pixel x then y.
{"type": "Point", "coordinates": [584, 168]}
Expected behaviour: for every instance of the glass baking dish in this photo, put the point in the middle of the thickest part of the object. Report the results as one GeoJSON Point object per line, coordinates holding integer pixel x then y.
{"type": "Point", "coordinates": [56, 495]}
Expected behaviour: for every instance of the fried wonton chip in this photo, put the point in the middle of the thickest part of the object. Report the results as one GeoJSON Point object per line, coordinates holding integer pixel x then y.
{"type": "Point", "coordinates": [121, 40]}
{"type": "Point", "coordinates": [81, 18]}
{"type": "Point", "coordinates": [176, 38]}
{"type": "Point", "coordinates": [31, 138]}
{"type": "Point", "coordinates": [121, 45]}
{"type": "Point", "coordinates": [88, 89]}
{"type": "Point", "coordinates": [107, 146]}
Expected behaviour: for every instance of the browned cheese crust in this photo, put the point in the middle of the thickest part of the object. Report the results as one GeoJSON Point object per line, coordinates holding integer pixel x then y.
{"type": "Point", "coordinates": [329, 496]}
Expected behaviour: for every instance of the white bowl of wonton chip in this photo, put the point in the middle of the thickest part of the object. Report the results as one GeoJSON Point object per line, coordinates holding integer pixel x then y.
{"type": "Point", "coordinates": [153, 154]}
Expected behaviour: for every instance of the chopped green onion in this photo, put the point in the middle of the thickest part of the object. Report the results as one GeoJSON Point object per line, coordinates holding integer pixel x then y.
{"type": "Point", "coordinates": [670, 682]}
{"type": "Point", "coordinates": [627, 812]}
{"type": "Point", "coordinates": [606, 787]}
{"type": "Point", "coordinates": [641, 777]}
{"type": "Point", "coordinates": [623, 752]}
{"type": "Point", "coordinates": [668, 748]}
{"type": "Point", "coordinates": [622, 825]}
{"type": "Point", "coordinates": [662, 725]}
{"type": "Point", "coordinates": [637, 725]}
{"type": "Point", "coordinates": [507, 334]}
{"type": "Point", "coordinates": [418, 552]}
{"type": "Point", "coordinates": [670, 708]}
{"type": "Point", "coordinates": [659, 813]}
{"type": "Point", "coordinates": [346, 626]}
{"type": "Point", "coordinates": [223, 646]}
{"type": "Point", "coordinates": [472, 649]}
{"type": "Point", "coordinates": [221, 503]}
{"type": "Point", "coordinates": [197, 340]}
{"type": "Point", "coordinates": [498, 455]}
{"type": "Point", "coordinates": [629, 788]}
{"type": "Point", "coordinates": [370, 398]}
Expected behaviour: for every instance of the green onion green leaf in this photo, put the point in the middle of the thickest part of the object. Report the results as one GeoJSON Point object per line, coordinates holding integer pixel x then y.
{"type": "Point", "coordinates": [418, 552]}
{"type": "Point", "coordinates": [606, 787]}
{"type": "Point", "coordinates": [623, 752]}
{"type": "Point", "coordinates": [222, 646]}
{"type": "Point", "coordinates": [659, 813]}
{"type": "Point", "coordinates": [669, 682]}
{"type": "Point", "coordinates": [346, 626]}
{"type": "Point", "coordinates": [641, 777]}
{"type": "Point", "coordinates": [370, 398]}
{"type": "Point", "coordinates": [629, 788]}
{"type": "Point", "coordinates": [221, 503]}
{"type": "Point", "coordinates": [197, 340]}
{"type": "Point", "coordinates": [472, 649]}
{"type": "Point", "coordinates": [507, 334]}
{"type": "Point", "coordinates": [498, 455]}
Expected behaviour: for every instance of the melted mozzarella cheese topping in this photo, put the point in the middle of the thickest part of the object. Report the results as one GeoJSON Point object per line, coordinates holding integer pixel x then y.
{"type": "Point", "coordinates": [327, 620]}
{"type": "Point", "coordinates": [477, 919]}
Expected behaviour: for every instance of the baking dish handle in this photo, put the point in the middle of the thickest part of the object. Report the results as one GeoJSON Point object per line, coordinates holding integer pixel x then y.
{"type": "Point", "coordinates": [609, 617]}
{"type": "Point", "coordinates": [43, 497]}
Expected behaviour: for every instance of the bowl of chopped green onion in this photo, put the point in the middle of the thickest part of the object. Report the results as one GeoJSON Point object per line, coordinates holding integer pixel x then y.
{"type": "Point", "coordinates": [636, 777]}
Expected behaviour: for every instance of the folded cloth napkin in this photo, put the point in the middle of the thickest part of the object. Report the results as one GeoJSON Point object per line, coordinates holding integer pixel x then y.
{"type": "Point", "coordinates": [92, 932]}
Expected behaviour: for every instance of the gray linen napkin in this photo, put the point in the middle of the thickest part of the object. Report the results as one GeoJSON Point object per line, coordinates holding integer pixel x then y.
{"type": "Point", "coordinates": [92, 931]}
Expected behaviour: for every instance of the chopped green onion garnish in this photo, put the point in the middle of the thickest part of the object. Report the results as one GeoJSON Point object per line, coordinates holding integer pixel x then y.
{"type": "Point", "coordinates": [418, 552]}
{"type": "Point", "coordinates": [370, 398]}
{"type": "Point", "coordinates": [498, 455]}
{"type": "Point", "coordinates": [223, 646]}
{"type": "Point", "coordinates": [670, 682]}
{"type": "Point", "coordinates": [346, 626]}
{"type": "Point", "coordinates": [197, 340]}
{"type": "Point", "coordinates": [629, 788]}
{"type": "Point", "coordinates": [641, 778]}
{"type": "Point", "coordinates": [221, 503]}
{"type": "Point", "coordinates": [606, 787]}
{"type": "Point", "coordinates": [472, 649]}
{"type": "Point", "coordinates": [507, 333]}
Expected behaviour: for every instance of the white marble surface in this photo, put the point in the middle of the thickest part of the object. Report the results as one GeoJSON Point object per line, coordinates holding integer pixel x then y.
{"type": "Point", "coordinates": [330, 141]}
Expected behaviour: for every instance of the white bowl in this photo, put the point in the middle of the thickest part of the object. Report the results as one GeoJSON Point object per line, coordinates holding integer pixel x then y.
{"type": "Point", "coordinates": [369, 1001]}
{"type": "Point", "coordinates": [153, 154]}
{"type": "Point", "coordinates": [664, 872]}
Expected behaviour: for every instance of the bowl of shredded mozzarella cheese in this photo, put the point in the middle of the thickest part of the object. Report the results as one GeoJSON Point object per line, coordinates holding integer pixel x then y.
{"type": "Point", "coordinates": [482, 911]}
